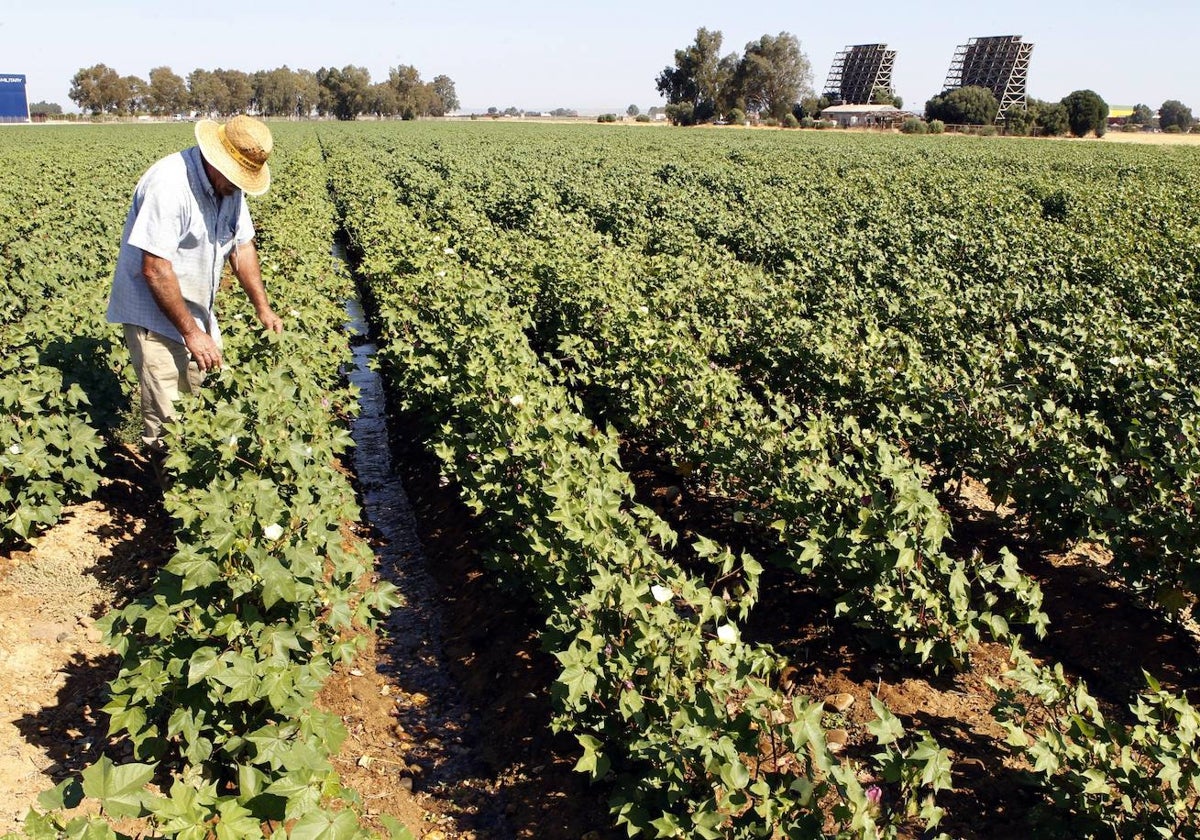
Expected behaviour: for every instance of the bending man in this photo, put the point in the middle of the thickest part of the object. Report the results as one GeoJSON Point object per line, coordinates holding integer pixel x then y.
{"type": "Point", "coordinates": [188, 216]}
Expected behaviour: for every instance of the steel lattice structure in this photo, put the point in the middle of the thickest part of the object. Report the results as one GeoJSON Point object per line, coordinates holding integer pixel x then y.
{"type": "Point", "coordinates": [999, 63]}
{"type": "Point", "coordinates": [857, 71]}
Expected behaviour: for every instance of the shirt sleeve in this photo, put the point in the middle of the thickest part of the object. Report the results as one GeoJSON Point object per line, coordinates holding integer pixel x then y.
{"type": "Point", "coordinates": [159, 221]}
{"type": "Point", "coordinates": [245, 228]}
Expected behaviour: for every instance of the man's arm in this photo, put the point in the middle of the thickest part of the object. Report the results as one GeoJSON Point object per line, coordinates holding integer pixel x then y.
{"type": "Point", "coordinates": [244, 261]}
{"type": "Point", "coordinates": [164, 287]}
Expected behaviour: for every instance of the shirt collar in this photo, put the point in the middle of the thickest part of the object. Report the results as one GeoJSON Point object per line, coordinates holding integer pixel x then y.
{"type": "Point", "coordinates": [195, 165]}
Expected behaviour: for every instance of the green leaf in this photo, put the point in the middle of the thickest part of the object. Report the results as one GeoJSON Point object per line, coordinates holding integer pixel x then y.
{"type": "Point", "coordinates": [321, 825]}
{"type": "Point", "coordinates": [120, 788]}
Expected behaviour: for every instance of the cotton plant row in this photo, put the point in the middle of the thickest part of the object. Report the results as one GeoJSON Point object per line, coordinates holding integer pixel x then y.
{"type": "Point", "coordinates": [1136, 778]}
{"type": "Point", "coordinates": [267, 590]}
{"type": "Point", "coordinates": [663, 696]}
{"type": "Point", "coordinates": [59, 219]}
{"type": "Point", "coordinates": [1002, 319]}
{"type": "Point", "coordinates": [851, 511]}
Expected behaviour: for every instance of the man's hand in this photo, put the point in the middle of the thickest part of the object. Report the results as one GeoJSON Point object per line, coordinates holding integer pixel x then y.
{"type": "Point", "coordinates": [270, 320]}
{"type": "Point", "coordinates": [204, 350]}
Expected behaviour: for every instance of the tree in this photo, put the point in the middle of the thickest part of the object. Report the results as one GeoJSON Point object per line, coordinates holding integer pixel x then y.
{"type": "Point", "coordinates": [241, 91]}
{"type": "Point", "coordinates": [881, 95]}
{"type": "Point", "coordinates": [167, 92]}
{"type": "Point", "coordinates": [276, 92]}
{"type": "Point", "coordinates": [1052, 119]}
{"type": "Point", "coordinates": [1019, 121]}
{"type": "Point", "coordinates": [414, 98]}
{"type": "Point", "coordinates": [345, 92]}
{"type": "Point", "coordinates": [97, 89]}
{"type": "Point", "coordinates": [308, 93]}
{"type": "Point", "coordinates": [697, 77]}
{"type": "Point", "coordinates": [1086, 112]}
{"type": "Point", "coordinates": [1142, 115]}
{"type": "Point", "coordinates": [970, 105]}
{"type": "Point", "coordinates": [773, 74]}
{"type": "Point", "coordinates": [50, 109]}
{"type": "Point", "coordinates": [445, 98]}
{"type": "Point", "coordinates": [133, 96]}
{"type": "Point", "coordinates": [811, 107]}
{"type": "Point", "coordinates": [633, 111]}
{"type": "Point", "coordinates": [1175, 113]}
{"type": "Point", "coordinates": [209, 93]}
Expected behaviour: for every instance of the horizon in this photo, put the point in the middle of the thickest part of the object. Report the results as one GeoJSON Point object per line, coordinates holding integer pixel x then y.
{"type": "Point", "coordinates": [531, 56]}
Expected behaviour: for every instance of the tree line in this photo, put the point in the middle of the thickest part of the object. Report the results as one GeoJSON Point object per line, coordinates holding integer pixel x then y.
{"type": "Point", "coordinates": [343, 93]}
{"type": "Point", "coordinates": [772, 78]}
{"type": "Point", "coordinates": [1080, 112]}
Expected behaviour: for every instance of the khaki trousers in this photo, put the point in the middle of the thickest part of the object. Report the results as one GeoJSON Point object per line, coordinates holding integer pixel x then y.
{"type": "Point", "coordinates": [164, 371]}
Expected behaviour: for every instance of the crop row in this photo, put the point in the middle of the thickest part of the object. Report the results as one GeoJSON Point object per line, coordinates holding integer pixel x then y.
{"type": "Point", "coordinates": [662, 695]}
{"type": "Point", "coordinates": [268, 588]}
{"type": "Point", "coordinates": [651, 330]}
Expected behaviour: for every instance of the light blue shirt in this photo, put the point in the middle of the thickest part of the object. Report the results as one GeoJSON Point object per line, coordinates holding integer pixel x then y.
{"type": "Point", "coordinates": [177, 215]}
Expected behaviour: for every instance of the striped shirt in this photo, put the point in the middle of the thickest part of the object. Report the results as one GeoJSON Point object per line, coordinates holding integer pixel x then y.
{"type": "Point", "coordinates": [177, 215]}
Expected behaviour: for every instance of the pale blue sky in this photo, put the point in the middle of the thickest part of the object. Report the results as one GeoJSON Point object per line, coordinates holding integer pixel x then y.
{"type": "Point", "coordinates": [537, 54]}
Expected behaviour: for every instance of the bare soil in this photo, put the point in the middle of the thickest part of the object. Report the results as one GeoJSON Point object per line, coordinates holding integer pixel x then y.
{"type": "Point", "coordinates": [514, 779]}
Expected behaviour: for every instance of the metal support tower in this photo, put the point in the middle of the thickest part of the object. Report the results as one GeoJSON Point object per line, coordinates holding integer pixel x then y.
{"type": "Point", "coordinates": [857, 71]}
{"type": "Point", "coordinates": [999, 63]}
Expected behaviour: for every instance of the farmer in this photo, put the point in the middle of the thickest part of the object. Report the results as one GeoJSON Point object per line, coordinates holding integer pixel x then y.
{"type": "Point", "coordinates": [188, 216]}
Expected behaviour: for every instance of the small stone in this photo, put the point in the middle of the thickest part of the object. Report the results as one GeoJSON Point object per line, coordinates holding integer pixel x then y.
{"type": "Point", "coordinates": [837, 739]}
{"type": "Point", "coordinates": [385, 691]}
{"type": "Point", "coordinates": [62, 637]}
{"type": "Point", "coordinates": [839, 702]}
{"type": "Point", "coordinates": [354, 672]}
{"type": "Point", "coordinates": [406, 783]}
{"type": "Point", "coordinates": [418, 699]}
{"type": "Point", "coordinates": [434, 834]}
{"type": "Point", "coordinates": [94, 635]}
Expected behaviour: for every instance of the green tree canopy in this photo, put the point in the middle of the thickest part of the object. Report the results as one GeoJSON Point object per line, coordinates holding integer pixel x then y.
{"type": "Point", "coordinates": [209, 93]}
{"type": "Point", "coordinates": [697, 78]}
{"type": "Point", "coordinates": [1052, 119]}
{"type": "Point", "coordinates": [276, 92]}
{"type": "Point", "coordinates": [445, 97]}
{"type": "Point", "coordinates": [345, 93]}
{"type": "Point", "coordinates": [167, 92]}
{"type": "Point", "coordinates": [1142, 115]}
{"type": "Point", "coordinates": [881, 95]}
{"type": "Point", "coordinates": [773, 75]}
{"type": "Point", "coordinates": [98, 89]}
{"type": "Point", "coordinates": [970, 105]}
{"type": "Point", "coordinates": [48, 108]}
{"type": "Point", "coordinates": [1086, 112]}
{"type": "Point", "coordinates": [1174, 112]}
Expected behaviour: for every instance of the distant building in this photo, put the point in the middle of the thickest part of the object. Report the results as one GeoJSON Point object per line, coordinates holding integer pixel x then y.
{"type": "Point", "coordinates": [1118, 115]}
{"type": "Point", "coordinates": [14, 105]}
{"type": "Point", "coordinates": [864, 116]}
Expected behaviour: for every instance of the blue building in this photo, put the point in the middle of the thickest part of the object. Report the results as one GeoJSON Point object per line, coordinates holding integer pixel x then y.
{"type": "Point", "coordinates": [14, 106]}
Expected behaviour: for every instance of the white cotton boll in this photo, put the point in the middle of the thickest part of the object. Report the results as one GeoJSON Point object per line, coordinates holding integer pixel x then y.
{"type": "Point", "coordinates": [660, 593]}
{"type": "Point", "coordinates": [233, 440]}
{"type": "Point", "coordinates": [727, 633]}
{"type": "Point", "coordinates": [516, 400]}
{"type": "Point", "coordinates": [15, 449]}
{"type": "Point", "coordinates": [447, 250]}
{"type": "Point", "coordinates": [273, 531]}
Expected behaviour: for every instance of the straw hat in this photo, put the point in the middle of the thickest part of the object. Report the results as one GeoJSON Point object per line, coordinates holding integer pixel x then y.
{"type": "Point", "coordinates": [238, 150]}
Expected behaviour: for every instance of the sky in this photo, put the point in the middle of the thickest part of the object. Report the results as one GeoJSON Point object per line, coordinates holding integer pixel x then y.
{"type": "Point", "coordinates": [595, 57]}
